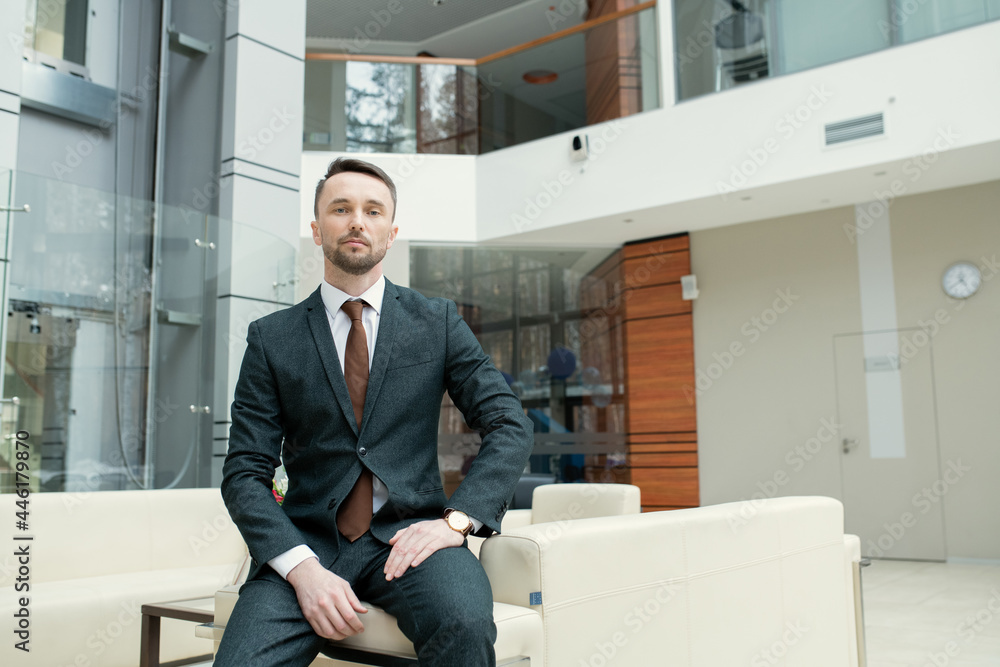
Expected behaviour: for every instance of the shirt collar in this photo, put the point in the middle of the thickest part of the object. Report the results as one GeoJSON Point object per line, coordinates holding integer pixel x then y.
{"type": "Point", "coordinates": [334, 297]}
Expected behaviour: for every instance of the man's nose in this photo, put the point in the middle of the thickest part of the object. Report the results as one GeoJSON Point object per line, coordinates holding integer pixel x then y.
{"type": "Point", "coordinates": [357, 221]}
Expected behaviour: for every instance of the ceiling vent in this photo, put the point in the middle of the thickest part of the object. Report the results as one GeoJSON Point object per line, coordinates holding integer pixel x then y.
{"type": "Point", "coordinates": [855, 128]}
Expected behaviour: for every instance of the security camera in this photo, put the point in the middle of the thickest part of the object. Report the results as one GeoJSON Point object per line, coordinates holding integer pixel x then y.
{"type": "Point", "coordinates": [581, 148]}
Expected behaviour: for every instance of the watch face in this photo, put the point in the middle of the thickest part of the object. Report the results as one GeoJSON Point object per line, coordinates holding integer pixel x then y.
{"type": "Point", "coordinates": [961, 280]}
{"type": "Point", "coordinates": [459, 521]}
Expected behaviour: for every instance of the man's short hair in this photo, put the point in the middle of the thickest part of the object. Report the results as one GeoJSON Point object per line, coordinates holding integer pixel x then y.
{"type": "Point", "coordinates": [342, 164]}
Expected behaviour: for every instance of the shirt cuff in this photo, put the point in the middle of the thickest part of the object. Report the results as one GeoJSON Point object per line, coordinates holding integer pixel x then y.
{"type": "Point", "coordinates": [286, 562]}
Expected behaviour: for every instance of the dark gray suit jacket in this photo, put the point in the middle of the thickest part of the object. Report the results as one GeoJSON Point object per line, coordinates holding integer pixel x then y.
{"type": "Point", "coordinates": [291, 398]}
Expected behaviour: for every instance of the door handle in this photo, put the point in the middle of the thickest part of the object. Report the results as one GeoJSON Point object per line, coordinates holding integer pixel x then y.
{"type": "Point", "coordinates": [203, 408]}
{"type": "Point", "coordinates": [848, 443]}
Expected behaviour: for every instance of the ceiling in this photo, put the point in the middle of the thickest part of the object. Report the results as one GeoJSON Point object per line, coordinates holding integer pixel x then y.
{"type": "Point", "coordinates": [419, 20]}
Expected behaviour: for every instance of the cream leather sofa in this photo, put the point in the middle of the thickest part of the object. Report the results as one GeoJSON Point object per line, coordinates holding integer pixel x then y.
{"type": "Point", "coordinates": [583, 579]}
{"type": "Point", "coordinates": [97, 557]}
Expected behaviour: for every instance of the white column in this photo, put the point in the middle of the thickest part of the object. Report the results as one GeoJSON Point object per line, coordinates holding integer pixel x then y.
{"type": "Point", "coordinates": [261, 155]}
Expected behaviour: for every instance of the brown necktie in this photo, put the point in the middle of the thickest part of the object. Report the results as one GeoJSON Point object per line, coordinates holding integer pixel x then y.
{"type": "Point", "coordinates": [355, 514]}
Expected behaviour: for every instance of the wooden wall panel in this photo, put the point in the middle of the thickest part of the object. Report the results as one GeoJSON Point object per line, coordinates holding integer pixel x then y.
{"type": "Point", "coordinates": [659, 354]}
{"type": "Point", "coordinates": [660, 364]}
{"type": "Point", "coordinates": [658, 301]}
{"type": "Point", "coordinates": [676, 487]}
{"type": "Point", "coordinates": [657, 269]}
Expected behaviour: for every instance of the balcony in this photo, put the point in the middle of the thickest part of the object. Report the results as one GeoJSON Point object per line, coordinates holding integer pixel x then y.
{"type": "Point", "coordinates": [724, 44]}
{"type": "Point", "coordinates": [599, 70]}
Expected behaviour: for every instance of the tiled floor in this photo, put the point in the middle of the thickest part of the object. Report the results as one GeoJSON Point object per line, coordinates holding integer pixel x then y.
{"type": "Point", "coordinates": [932, 614]}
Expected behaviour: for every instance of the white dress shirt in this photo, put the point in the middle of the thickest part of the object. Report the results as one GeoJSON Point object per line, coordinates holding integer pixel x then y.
{"type": "Point", "coordinates": [340, 326]}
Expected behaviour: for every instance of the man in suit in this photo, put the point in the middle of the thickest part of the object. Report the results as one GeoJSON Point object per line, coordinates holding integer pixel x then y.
{"type": "Point", "coordinates": [348, 393]}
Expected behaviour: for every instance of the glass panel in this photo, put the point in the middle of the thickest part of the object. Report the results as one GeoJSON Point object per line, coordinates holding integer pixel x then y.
{"type": "Point", "coordinates": [564, 363]}
{"type": "Point", "coordinates": [600, 74]}
{"type": "Point", "coordinates": [719, 45]}
{"type": "Point", "coordinates": [813, 33]}
{"type": "Point", "coordinates": [448, 101]}
{"type": "Point", "coordinates": [324, 125]}
{"type": "Point", "coordinates": [916, 20]}
{"type": "Point", "coordinates": [380, 108]}
{"type": "Point", "coordinates": [57, 29]}
{"type": "Point", "coordinates": [77, 343]}
{"type": "Point", "coordinates": [84, 323]}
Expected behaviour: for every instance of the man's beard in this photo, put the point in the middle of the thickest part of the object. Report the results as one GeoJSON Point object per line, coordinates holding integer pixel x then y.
{"type": "Point", "coordinates": [356, 264]}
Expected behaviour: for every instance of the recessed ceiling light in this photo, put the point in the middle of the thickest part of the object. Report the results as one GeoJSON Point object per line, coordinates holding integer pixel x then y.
{"type": "Point", "coordinates": [881, 173]}
{"type": "Point", "coordinates": [627, 220]}
{"type": "Point", "coordinates": [747, 198]}
{"type": "Point", "coordinates": [540, 76]}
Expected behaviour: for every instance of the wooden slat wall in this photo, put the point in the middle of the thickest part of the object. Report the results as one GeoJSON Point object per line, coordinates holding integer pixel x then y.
{"type": "Point", "coordinates": [659, 349]}
{"type": "Point", "coordinates": [611, 68]}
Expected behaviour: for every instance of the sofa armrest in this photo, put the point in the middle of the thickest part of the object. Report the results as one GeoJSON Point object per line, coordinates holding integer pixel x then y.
{"type": "Point", "coordinates": [667, 587]}
{"type": "Point", "coordinates": [225, 600]}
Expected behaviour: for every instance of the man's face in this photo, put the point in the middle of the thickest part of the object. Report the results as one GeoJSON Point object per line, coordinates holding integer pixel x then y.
{"type": "Point", "coordinates": [354, 223]}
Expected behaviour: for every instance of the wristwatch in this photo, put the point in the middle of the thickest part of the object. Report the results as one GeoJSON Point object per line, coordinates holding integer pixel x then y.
{"type": "Point", "coordinates": [458, 521]}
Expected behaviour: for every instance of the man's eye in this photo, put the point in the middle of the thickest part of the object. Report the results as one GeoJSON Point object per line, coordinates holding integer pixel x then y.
{"type": "Point", "coordinates": [339, 210]}
{"type": "Point", "coordinates": [376, 212]}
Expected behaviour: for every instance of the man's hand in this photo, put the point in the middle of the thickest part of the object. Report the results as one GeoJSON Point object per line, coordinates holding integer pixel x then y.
{"type": "Point", "coordinates": [327, 601]}
{"type": "Point", "coordinates": [412, 545]}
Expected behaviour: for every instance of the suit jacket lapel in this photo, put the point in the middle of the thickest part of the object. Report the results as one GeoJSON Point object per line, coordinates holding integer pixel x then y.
{"type": "Point", "coordinates": [388, 325]}
{"type": "Point", "coordinates": [319, 324]}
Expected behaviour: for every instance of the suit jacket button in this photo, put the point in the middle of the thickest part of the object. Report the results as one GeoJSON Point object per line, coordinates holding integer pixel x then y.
{"type": "Point", "coordinates": [333, 501]}
{"type": "Point", "coordinates": [362, 451]}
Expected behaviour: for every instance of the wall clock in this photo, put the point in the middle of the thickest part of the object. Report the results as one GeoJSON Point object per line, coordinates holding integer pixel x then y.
{"type": "Point", "coordinates": [961, 280]}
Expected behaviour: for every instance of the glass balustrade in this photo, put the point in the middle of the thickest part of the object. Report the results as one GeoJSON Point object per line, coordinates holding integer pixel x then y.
{"type": "Point", "coordinates": [111, 334]}
{"type": "Point", "coordinates": [542, 317]}
{"type": "Point", "coordinates": [727, 43]}
{"type": "Point", "coordinates": [605, 72]}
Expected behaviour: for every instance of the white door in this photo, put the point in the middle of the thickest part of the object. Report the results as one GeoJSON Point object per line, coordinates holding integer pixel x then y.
{"type": "Point", "coordinates": [892, 485]}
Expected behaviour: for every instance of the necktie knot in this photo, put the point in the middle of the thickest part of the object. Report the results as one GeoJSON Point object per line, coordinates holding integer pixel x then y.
{"type": "Point", "coordinates": [353, 309]}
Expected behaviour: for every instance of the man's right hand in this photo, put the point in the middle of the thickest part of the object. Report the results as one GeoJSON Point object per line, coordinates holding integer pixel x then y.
{"type": "Point", "coordinates": [327, 601]}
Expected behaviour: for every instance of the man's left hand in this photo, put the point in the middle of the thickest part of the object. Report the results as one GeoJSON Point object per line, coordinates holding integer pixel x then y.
{"type": "Point", "coordinates": [412, 545]}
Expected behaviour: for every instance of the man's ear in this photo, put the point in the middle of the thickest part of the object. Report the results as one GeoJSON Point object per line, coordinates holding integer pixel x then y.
{"type": "Point", "coordinates": [317, 239]}
{"type": "Point", "coordinates": [392, 236]}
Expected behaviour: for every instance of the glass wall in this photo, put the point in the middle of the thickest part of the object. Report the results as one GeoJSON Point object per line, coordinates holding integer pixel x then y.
{"type": "Point", "coordinates": [540, 316]}
{"type": "Point", "coordinates": [110, 339]}
{"type": "Point", "coordinates": [719, 45]}
{"type": "Point", "coordinates": [606, 72]}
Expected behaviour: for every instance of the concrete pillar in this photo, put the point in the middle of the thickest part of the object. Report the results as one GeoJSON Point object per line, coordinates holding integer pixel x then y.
{"type": "Point", "coordinates": [259, 190]}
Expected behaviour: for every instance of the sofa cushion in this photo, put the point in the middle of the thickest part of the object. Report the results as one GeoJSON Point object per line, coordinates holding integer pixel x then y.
{"type": "Point", "coordinates": [519, 632]}
{"type": "Point", "coordinates": [96, 620]}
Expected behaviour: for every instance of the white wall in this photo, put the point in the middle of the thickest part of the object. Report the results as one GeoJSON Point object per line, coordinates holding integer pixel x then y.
{"type": "Point", "coordinates": [435, 194]}
{"type": "Point", "coordinates": [757, 407]}
{"type": "Point", "coordinates": [664, 167]}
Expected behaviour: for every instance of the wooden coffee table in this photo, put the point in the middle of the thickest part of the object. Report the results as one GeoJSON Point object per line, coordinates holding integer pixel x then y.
{"type": "Point", "coordinates": [196, 610]}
